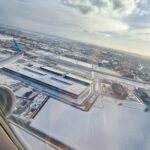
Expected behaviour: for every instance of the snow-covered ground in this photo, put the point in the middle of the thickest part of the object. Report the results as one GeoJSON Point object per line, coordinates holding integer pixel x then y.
{"type": "Point", "coordinates": [7, 81]}
{"type": "Point", "coordinates": [5, 37]}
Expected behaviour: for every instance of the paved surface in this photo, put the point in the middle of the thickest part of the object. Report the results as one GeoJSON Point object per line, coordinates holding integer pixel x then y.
{"type": "Point", "coordinates": [95, 69]}
{"type": "Point", "coordinates": [110, 127]}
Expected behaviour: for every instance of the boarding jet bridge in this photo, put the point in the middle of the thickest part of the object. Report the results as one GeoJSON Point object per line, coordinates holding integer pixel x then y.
{"type": "Point", "coordinates": [7, 98]}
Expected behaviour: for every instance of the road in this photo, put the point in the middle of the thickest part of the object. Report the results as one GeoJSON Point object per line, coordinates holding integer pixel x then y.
{"type": "Point", "coordinates": [100, 73]}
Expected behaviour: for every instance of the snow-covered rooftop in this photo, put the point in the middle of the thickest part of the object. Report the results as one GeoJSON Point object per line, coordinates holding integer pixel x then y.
{"type": "Point", "coordinates": [61, 83]}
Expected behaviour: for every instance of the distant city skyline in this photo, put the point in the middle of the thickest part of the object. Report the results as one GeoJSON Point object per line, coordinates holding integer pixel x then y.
{"type": "Point", "coordinates": [117, 24]}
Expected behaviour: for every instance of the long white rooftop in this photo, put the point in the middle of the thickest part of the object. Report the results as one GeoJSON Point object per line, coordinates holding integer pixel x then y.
{"type": "Point", "coordinates": [61, 83]}
{"type": "Point", "coordinates": [110, 127]}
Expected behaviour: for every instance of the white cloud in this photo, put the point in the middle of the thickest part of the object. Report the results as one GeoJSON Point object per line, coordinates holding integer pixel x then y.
{"type": "Point", "coordinates": [96, 24]}
{"type": "Point", "coordinates": [108, 8]}
{"type": "Point", "coordinates": [106, 22]}
{"type": "Point", "coordinates": [142, 34]}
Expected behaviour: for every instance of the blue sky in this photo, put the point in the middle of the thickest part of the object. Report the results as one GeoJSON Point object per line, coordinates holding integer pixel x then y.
{"type": "Point", "coordinates": [121, 24]}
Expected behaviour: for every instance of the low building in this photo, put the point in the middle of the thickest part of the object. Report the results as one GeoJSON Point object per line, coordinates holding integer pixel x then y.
{"type": "Point", "coordinates": [53, 81]}
{"type": "Point", "coordinates": [142, 94]}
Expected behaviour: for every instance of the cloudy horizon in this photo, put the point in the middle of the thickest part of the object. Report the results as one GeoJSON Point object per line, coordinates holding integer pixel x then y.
{"type": "Point", "coordinates": [119, 24]}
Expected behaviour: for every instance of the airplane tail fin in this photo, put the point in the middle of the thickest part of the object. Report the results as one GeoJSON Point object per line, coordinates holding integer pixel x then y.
{"type": "Point", "coordinates": [17, 47]}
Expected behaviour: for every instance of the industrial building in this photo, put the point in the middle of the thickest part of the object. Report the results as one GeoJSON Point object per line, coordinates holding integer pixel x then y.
{"type": "Point", "coordinates": [67, 75]}
{"type": "Point", "coordinates": [57, 80]}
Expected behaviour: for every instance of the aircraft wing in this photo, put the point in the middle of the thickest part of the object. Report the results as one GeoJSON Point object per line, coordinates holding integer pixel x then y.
{"type": "Point", "coordinates": [19, 53]}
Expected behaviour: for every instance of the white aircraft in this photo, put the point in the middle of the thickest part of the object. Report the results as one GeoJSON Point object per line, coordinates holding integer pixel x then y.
{"type": "Point", "coordinates": [15, 57]}
{"type": "Point", "coordinates": [7, 97]}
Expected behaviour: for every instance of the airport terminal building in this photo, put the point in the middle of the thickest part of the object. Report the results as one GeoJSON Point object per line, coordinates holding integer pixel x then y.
{"type": "Point", "coordinates": [54, 79]}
